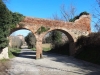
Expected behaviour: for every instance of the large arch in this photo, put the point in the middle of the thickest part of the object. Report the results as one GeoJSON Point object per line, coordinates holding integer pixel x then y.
{"type": "Point", "coordinates": [70, 37]}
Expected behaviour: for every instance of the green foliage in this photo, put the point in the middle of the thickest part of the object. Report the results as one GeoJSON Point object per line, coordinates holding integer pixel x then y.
{"type": "Point", "coordinates": [78, 16]}
{"type": "Point", "coordinates": [34, 49]}
{"type": "Point", "coordinates": [4, 60]}
{"type": "Point", "coordinates": [82, 41]}
{"type": "Point", "coordinates": [16, 18]}
{"type": "Point", "coordinates": [92, 39]}
{"type": "Point", "coordinates": [30, 40]}
{"type": "Point", "coordinates": [56, 37]}
{"type": "Point", "coordinates": [46, 49]}
{"type": "Point", "coordinates": [61, 49]}
{"type": "Point", "coordinates": [83, 13]}
{"type": "Point", "coordinates": [88, 48]}
{"type": "Point", "coordinates": [13, 52]}
{"type": "Point", "coordinates": [5, 21]}
{"type": "Point", "coordinates": [57, 45]}
{"type": "Point", "coordinates": [8, 21]}
{"type": "Point", "coordinates": [42, 29]}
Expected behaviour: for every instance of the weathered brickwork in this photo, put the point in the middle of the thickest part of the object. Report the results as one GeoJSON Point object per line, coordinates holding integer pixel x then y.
{"type": "Point", "coordinates": [72, 29]}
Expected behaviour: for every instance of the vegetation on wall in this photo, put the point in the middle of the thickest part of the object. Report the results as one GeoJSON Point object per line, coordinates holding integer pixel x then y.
{"type": "Point", "coordinates": [42, 29]}
{"type": "Point", "coordinates": [78, 16]}
{"type": "Point", "coordinates": [16, 18]}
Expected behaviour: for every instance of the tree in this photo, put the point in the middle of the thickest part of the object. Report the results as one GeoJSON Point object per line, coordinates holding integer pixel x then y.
{"type": "Point", "coordinates": [8, 20]}
{"type": "Point", "coordinates": [96, 16]}
{"type": "Point", "coordinates": [30, 40]}
{"type": "Point", "coordinates": [56, 37]}
{"type": "Point", "coordinates": [66, 14]}
{"type": "Point", "coordinates": [16, 18]}
{"type": "Point", "coordinates": [5, 21]}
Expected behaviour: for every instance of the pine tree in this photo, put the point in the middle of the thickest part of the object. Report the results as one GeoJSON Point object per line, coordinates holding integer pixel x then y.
{"type": "Point", "coordinates": [5, 21]}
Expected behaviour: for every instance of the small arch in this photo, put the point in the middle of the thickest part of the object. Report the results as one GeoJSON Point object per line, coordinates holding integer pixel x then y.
{"type": "Point", "coordinates": [15, 29]}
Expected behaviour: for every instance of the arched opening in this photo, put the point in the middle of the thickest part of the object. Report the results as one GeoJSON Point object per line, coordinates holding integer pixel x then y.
{"type": "Point", "coordinates": [22, 39]}
{"type": "Point", "coordinates": [64, 45]}
{"type": "Point", "coordinates": [20, 29]}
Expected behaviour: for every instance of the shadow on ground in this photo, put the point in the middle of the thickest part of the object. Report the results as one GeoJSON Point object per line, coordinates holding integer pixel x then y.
{"type": "Point", "coordinates": [27, 53]}
{"type": "Point", "coordinates": [66, 60]}
{"type": "Point", "coordinates": [73, 62]}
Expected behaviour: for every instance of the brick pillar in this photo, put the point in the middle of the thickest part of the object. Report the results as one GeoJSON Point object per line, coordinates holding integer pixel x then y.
{"type": "Point", "coordinates": [38, 49]}
{"type": "Point", "coordinates": [72, 48]}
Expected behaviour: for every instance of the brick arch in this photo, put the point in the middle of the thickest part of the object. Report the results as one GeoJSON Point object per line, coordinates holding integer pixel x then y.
{"type": "Point", "coordinates": [68, 34]}
{"type": "Point", "coordinates": [18, 28]}
{"type": "Point", "coordinates": [73, 30]}
{"type": "Point", "coordinates": [15, 29]}
{"type": "Point", "coordinates": [70, 38]}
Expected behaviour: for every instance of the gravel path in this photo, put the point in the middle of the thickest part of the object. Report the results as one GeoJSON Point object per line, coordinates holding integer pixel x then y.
{"type": "Point", "coordinates": [51, 64]}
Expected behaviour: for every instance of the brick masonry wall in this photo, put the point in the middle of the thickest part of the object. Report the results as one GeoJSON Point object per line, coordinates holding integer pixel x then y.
{"type": "Point", "coordinates": [80, 27]}
{"type": "Point", "coordinates": [72, 29]}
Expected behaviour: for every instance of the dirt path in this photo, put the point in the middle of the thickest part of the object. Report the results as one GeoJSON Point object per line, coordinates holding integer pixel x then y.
{"type": "Point", "coordinates": [51, 64]}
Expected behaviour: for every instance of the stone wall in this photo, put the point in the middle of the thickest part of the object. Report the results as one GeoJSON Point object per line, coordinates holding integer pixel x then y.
{"type": "Point", "coordinates": [4, 54]}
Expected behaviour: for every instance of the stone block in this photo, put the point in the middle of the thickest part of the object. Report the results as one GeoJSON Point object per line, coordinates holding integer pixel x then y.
{"type": "Point", "coordinates": [4, 54]}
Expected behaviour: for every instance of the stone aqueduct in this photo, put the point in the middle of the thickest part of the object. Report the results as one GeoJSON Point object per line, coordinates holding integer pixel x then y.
{"type": "Point", "coordinates": [73, 30]}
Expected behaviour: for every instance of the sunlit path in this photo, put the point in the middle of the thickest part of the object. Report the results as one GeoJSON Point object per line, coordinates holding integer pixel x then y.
{"type": "Point", "coordinates": [51, 64]}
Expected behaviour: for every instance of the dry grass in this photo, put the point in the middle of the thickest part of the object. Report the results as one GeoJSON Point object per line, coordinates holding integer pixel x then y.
{"type": "Point", "coordinates": [4, 66]}
{"type": "Point", "coordinates": [47, 45]}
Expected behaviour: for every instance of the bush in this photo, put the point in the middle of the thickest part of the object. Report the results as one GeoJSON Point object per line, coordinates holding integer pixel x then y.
{"type": "Point", "coordinates": [61, 49]}
{"type": "Point", "coordinates": [34, 49]}
{"type": "Point", "coordinates": [5, 21]}
{"type": "Point", "coordinates": [88, 48]}
{"type": "Point", "coordinates": [8, 21]}
{"type": "Point", "coordinates": [12, 52]}
{"type": "Point", "coordinates": [78, 16]}
{"type": "Point", "coordinates": [30, 40]}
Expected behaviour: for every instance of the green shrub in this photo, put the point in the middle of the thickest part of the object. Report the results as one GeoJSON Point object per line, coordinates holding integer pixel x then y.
{"type": "Point", "coordinates": [13, 52]}
{"type": "Point", "coordinates": [78, 16]}
{"type": "Point", "coordinates": [61, 49]}
{"type": "Point", "coordinates": [34, 49]}
{"type": "Point", "coordinates": [88, 48]}
{"type": "Point", "coordinates": [30, 40]}
{"type": "Point", "coordinates": [42, 29]}
{"type": "Point", "coordinates": [46, 49]}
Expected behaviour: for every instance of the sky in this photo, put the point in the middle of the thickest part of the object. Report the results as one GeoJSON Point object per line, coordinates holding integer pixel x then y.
{"type": "Point", "coordinates": [46, 8]}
